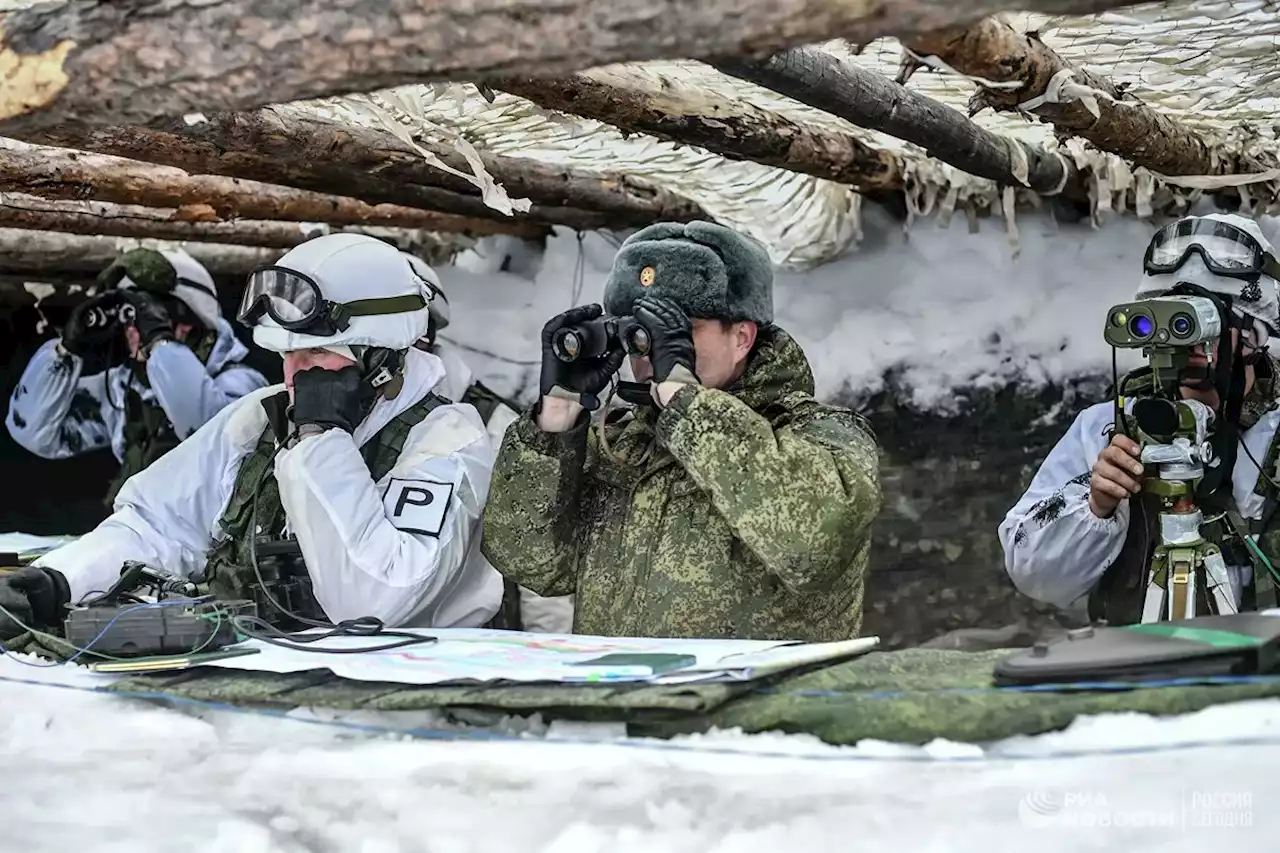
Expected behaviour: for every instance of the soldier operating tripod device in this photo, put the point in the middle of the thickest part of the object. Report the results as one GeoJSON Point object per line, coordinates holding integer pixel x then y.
{"type": "Point", "coordinates": [593, 338]}
{"type": "Point", "coordinates": [1173, 437]}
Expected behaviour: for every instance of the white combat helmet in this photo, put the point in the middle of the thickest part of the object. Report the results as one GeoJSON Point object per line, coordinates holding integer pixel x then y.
{"type": "Point", "coordinates": [194, 286]}
{"type": "Point", "coordinates": [337, 291]}
{"type": "Point", "coordinates": [1225, 240]}
{"type": "Point", "coordinates": [439, 307]}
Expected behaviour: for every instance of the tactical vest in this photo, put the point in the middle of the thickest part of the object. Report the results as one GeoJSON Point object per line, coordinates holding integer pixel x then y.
{"type": "Point", "coordinates": [1120, 594]}
{"type": "Point", "coordinates": [486, 401]}
{"type": "Point", "coordinates": [230, 571]}
{"type": "Point", "coordinates": [148, 435]}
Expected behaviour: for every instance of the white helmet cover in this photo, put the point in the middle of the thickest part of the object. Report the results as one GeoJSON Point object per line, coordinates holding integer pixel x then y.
{"type": "Point", "coordinates": [1260, 300]}
{"type": "Point", "coordinates": [203, 304]}
{"type": "Point", "coordinates": [439, 307]}
{"type": "Point", "coordinates": [349, 268]}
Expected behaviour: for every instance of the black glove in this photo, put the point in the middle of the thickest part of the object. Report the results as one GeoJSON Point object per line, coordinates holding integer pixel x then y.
{"type": "Point", "coordinates": [35, 596]}
{"type": "Point", "coordinates": [149, 317]}
{"type": "Point", "coordinates": [93, 332]}
{"type": "Point", "coordinates": [670, 331]}
{"type": "Point", "coordinates": [330, 398]}
{"type": "Point", "coordinates": [580, 381]}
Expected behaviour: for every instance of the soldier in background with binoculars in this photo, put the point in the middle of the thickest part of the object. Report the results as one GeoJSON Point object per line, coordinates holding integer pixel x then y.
{"type": "Point", "coordinates": [728, 502]}
{"type": "Point", "coordinates": [1096, 523]}
{"type": "Point", "coordinates": [139, 367]}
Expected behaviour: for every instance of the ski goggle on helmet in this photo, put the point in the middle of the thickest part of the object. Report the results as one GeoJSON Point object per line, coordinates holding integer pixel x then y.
{"type": "Point", "coordinates": [1226, 249]}
{"type": "Point", "coordinates": [295, 302]}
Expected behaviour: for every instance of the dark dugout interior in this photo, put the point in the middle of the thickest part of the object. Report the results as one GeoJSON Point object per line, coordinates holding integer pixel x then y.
{"type": "Point", "coordinates": [51, 497]}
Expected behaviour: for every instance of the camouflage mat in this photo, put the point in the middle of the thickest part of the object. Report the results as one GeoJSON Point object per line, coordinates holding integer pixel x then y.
{"type": "Point", "coordinates": [910, 696]}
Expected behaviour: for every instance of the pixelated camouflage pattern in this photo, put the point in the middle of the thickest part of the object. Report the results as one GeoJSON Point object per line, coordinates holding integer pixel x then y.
{"type": "Point", "coordinates": [910, 696]}
{"type": "Point", "coordinates": [146, 268]}
{"type": "Point", "coordinates": [736, 513]}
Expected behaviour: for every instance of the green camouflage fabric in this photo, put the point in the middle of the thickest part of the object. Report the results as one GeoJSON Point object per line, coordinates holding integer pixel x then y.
{"type": "Point", "coordinates": [229, 569]}
{"type": "Point", "coordinates": [148, 434]}
{"type": "Point", "coordinates": [911, 696]}
{"type": "Point", "coordinates": [146, 268]}
{"type": "Point", "coordinates": [486, 400]}
{"type": "Point", "coordinates": [739, 513]}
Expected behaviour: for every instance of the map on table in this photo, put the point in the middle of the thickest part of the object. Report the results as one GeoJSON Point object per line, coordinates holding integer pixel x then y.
{"type": "Point", "coordinates": [471, 655]}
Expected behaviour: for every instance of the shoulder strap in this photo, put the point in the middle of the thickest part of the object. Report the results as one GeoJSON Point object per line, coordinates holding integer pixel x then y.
{"type": "Point", "coordinates": [382, 451]}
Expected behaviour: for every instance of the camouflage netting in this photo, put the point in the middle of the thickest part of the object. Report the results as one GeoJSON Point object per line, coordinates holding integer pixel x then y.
{"type": "Point", "coordinates": [1212, 64]}
{"type": "Point", "coordinates": [911, 696]}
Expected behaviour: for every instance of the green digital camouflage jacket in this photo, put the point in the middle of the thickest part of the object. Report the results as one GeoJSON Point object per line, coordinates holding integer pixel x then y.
{"type": "Point", "coordinates": [741, 513]}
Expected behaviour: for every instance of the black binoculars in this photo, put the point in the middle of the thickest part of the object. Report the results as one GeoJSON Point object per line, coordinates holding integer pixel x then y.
{"type": "Point", "coordinates": [110, 310]}
{"type": "Point", "coordinates": [594, 338]}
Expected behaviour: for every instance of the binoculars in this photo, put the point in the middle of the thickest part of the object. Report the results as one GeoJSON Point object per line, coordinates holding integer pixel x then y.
{"type": "Point", "coordinates": [594, 338]}
{"type": "Point", "coordinates": [107, 313]}
{"type": "Point", "coordinates": [1171, 321]}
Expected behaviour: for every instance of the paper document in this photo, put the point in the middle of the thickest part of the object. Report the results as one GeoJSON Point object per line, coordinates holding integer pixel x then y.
{"type": "Point", "coordinates": [472, 655]}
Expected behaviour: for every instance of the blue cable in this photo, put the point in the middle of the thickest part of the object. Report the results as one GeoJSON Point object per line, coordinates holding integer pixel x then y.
{"type": "Point", "coordinates": [170, 602]}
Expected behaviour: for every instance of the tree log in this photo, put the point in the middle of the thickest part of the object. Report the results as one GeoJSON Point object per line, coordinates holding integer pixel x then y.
{"type": "Point", "coordinates": [31, 253]}
{"type": "Point", "coordinates": [639, 102]}
{"type": "Point", "coordinates": [18, 210]}
{"type": "Point", "coordinates": [132, 61]}
{"type": "Point", "coordinates": [867, 99]}
{"type": "Point", "coordinates": [994, 50]}
{"type": "Point", "coordinates": [294, 148]}
{"type": "Point", "coordinates": [61, 174]}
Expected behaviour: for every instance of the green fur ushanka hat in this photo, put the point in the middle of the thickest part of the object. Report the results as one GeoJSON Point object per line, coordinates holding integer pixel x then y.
{"type": "Point", "coordinates": [710, 271]}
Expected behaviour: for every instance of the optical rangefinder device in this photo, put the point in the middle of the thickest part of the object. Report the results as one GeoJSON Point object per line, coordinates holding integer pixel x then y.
{"type": "Point", "coordinates": [1171, 321]}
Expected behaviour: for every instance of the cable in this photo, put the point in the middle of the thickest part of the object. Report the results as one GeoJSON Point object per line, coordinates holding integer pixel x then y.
{"type": "Point", "coordinates": [88, 648]}
{"type": "Point", "coordinates": [364, 626]}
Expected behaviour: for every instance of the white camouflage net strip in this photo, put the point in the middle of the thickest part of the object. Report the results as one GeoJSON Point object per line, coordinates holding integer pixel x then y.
{"type": "Point", "coordinates": [1211, 64]}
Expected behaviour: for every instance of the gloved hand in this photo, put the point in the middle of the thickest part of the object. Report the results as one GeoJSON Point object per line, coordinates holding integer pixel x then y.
{"type": "Point", "coordinates": [35, 596]}
{"type": "Point", "coordinates": [671, 352]}
{"type": "Point", "coordinates": [149, 317]}
{"type": "Point", "coordinates": [92, 332]}
{"type": "Point", "coordinates": [330, 398]}
{"type": "Point", "coordinates": [579, 381]}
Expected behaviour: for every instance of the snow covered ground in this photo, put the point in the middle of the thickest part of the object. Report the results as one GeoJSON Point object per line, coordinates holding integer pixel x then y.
{"type": "Point", "coordinates": [93, 772]}
{"type": "Point", "coordinates": [947, 308]}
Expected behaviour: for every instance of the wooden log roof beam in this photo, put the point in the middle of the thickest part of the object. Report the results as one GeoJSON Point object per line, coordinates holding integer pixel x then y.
{"type": "Point", "coordinates": [61, 174]}
{"type": "Point", "coordinates": [31, 254]}
{"type": "Point", "coordinates": [132, 61]}
{"type": "Point", "coordinates": [19, 210]}
{"type": "Point", "coordinates": [637, 102]}
{"type": "Point", "coordinates": [292, 147]}
{"type": "Point", "coordinates": [863, 97]}
{"type": "Point", "coordinates": [994, 50]}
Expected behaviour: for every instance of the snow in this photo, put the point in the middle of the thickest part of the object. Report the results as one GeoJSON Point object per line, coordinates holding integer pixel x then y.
{"type": "Point", "coordinates": [89, 771]}
{"type": "Point", "coordinates": [940, 309]}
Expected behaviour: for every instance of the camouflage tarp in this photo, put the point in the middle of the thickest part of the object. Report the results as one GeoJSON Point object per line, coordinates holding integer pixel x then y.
{"type": "Point", "coordinates": [909, 696]}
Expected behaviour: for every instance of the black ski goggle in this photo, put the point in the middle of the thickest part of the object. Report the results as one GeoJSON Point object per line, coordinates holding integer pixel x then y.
{"type": "Point", "coordinates": [1225, 249]}
{"type": "Point", "coordinates": [295, 302]}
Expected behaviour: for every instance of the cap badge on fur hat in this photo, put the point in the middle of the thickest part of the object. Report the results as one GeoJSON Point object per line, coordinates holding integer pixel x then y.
{"type": "Point", "coordinates": [647, 276]}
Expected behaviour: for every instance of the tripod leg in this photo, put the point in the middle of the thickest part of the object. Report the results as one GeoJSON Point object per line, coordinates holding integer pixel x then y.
{"type": "Point", "coordinates": [1182, 599]}
{"type": "Point", "coordinates": [1154, 605]}
{"type": "Point", "coordinates": [1218, 580]}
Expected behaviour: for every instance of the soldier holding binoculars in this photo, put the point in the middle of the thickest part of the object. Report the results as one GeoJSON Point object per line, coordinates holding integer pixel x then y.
{"type": "Point", "coordinates": [728, 502]}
